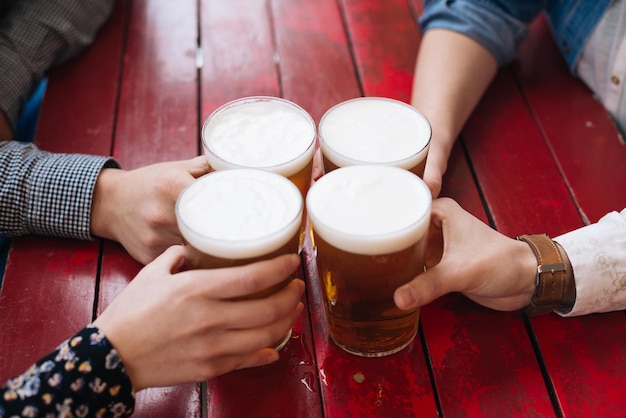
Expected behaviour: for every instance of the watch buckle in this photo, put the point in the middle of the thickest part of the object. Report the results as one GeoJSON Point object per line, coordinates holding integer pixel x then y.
{"type": "Point", "coordinates": [551, 268]}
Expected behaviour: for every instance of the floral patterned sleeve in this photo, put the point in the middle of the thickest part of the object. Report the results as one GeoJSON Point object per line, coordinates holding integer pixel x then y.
{"type": "Point", "coordinates": [84, 376]}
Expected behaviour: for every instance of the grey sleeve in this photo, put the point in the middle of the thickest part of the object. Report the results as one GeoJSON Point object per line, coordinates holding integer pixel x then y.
{"type": "Point", "coordinates": [35, 35]}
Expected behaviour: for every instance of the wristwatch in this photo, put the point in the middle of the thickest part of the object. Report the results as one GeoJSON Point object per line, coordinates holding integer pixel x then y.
{"type": "Point", "coordinates": [554, 284]}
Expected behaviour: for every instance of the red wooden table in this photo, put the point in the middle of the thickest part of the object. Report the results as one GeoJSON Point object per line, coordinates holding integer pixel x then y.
{"type": "Point", "coordinates": [538, 155]}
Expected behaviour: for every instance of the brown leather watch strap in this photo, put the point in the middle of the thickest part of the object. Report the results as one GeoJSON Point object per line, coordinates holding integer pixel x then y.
{"type": "Point", "coordinates": [551, 286]}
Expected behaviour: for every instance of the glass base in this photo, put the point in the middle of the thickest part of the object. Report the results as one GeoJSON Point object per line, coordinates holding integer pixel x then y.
{"type": "Point", "coordinates": [283, 342]}
{"type": "Point", "coordinates": [373, 354]}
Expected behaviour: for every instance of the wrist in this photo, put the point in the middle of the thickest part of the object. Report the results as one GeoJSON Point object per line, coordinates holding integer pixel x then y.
{"type": "Point", "coordinates": [527, 271]}
{"type": "Point", "coordinates": [107, 326]}
{"type": "Point", "coordinates": [554, 280]}
{"type": "Point", "coordinates": [104, 203]}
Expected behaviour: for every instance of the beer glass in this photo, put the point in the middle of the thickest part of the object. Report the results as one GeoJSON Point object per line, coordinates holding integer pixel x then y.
{"type": "Point", "coordinates": [374, 130]}
{"type": "Point", "coordinates": [235, 217]}
{"type": "Point", "coordinates": [268, 133]}
{"type": "Point", "coordinates": [370, 229]}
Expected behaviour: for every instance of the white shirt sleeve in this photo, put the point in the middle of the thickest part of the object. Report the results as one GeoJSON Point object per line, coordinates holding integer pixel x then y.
{"type": "Point", "coordinates": [598, 256]}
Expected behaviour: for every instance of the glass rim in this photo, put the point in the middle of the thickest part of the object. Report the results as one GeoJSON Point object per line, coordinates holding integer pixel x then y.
{"type": "Point", "coordinates": [277, 168]}
{"type": "Point", "coordinates": [417, 225]}
{"type": "Point", "coordinates": [241, 248]}
{"type": "Point", "coordinates": [406, 162]}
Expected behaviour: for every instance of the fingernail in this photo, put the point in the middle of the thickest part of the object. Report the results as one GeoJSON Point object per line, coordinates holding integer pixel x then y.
{"type": "Point", "coordinates": [404, 298]}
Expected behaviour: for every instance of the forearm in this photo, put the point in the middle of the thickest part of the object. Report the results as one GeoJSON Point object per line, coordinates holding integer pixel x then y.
{"type": "Point", "coordinates": [451, 74]}
{"type": "Point", "coordinates": [597, 255]}
{"type": "Point", "coordinates": [106, 202]}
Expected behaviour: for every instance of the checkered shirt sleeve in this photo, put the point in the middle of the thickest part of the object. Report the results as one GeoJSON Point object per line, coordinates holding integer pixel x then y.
{"type": "Point", "coordinates": [45, 193]}
{"type": "Point", "coordinates": [38, 34]}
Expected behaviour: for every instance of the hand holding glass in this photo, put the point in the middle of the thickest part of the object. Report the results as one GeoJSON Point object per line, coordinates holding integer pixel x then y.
{"type": "Point", "coordinates": [235, 217]}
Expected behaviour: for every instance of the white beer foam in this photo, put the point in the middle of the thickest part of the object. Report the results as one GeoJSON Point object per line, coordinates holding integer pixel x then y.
{"type": "Point", "coordinates": [369, 209]}
{"type": "Point", "coordinates": [239, 213]}
{"type": "Point", "coordinates": [260, 132]}
{"type": "Point", "coordinates": [374, 130]}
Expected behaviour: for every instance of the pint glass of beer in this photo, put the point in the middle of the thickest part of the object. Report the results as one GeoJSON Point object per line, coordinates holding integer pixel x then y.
{"type": "Point", "coordinates": [370, 228]}
{"type": "Point", "coordinates": [374, 130]}
{"type": "Point", "coordinates": [235, 217]}
{"type": "Point", "coordinates": [268, 133]}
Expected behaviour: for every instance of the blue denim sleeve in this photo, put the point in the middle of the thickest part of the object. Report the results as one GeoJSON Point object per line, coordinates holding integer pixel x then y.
{"type": "Point", "coordinates": [500, 26]}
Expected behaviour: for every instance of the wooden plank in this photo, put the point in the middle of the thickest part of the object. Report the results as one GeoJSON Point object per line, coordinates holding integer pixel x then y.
{"type": "Point", "coordinates": [483, 362]}
{"type": "Point", "coordinates": [579, 131]}
{"type": "Point", "coordinates": [157, 120]}
{"type": "Point", "coordinates": [584, 142]}
{"type": "Point", "coordinates": [239, 57]}
{"type": "Point", "coordinates": [459, 184]}
{"type": "Point", "coordinates": [78, 109]}
{"type": "Point", "coordinates": [514, 167]}
{"type": "Point", "coordinates": [47, 296]}
{"type": "Point", "coordinates": [44, 302]}
{"type": "Point", "coordinates": [176, 401]}
{"type": "Point", "coordinates": [586, 360]}
{"type": "Point", "coordinates": [467, 363]}
{"type": "Point", "coordinates": [316, 68]}
{"type": "Point", "coordinates": [240, 60]}
{"type": "Point", "coordinates": [384, 37]}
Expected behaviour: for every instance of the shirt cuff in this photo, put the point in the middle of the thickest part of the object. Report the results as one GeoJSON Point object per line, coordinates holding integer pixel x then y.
{"type": "Point", "coordinates": [61, 192]}
{"type": "Point", "coordinates": [596, 253]}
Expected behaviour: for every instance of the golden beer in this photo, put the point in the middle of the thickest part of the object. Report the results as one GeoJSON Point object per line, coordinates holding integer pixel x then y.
{"type": "Point", "coordinates": [240, 216]}
{"type": "Point", "coordinates": [374, 130]}
{"type": "Point", "coordinates": [267, 133]}
{"type": "Point", "coordinates": [370, 229]}
{"type": "Point", "coordinates": [418, 169]}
